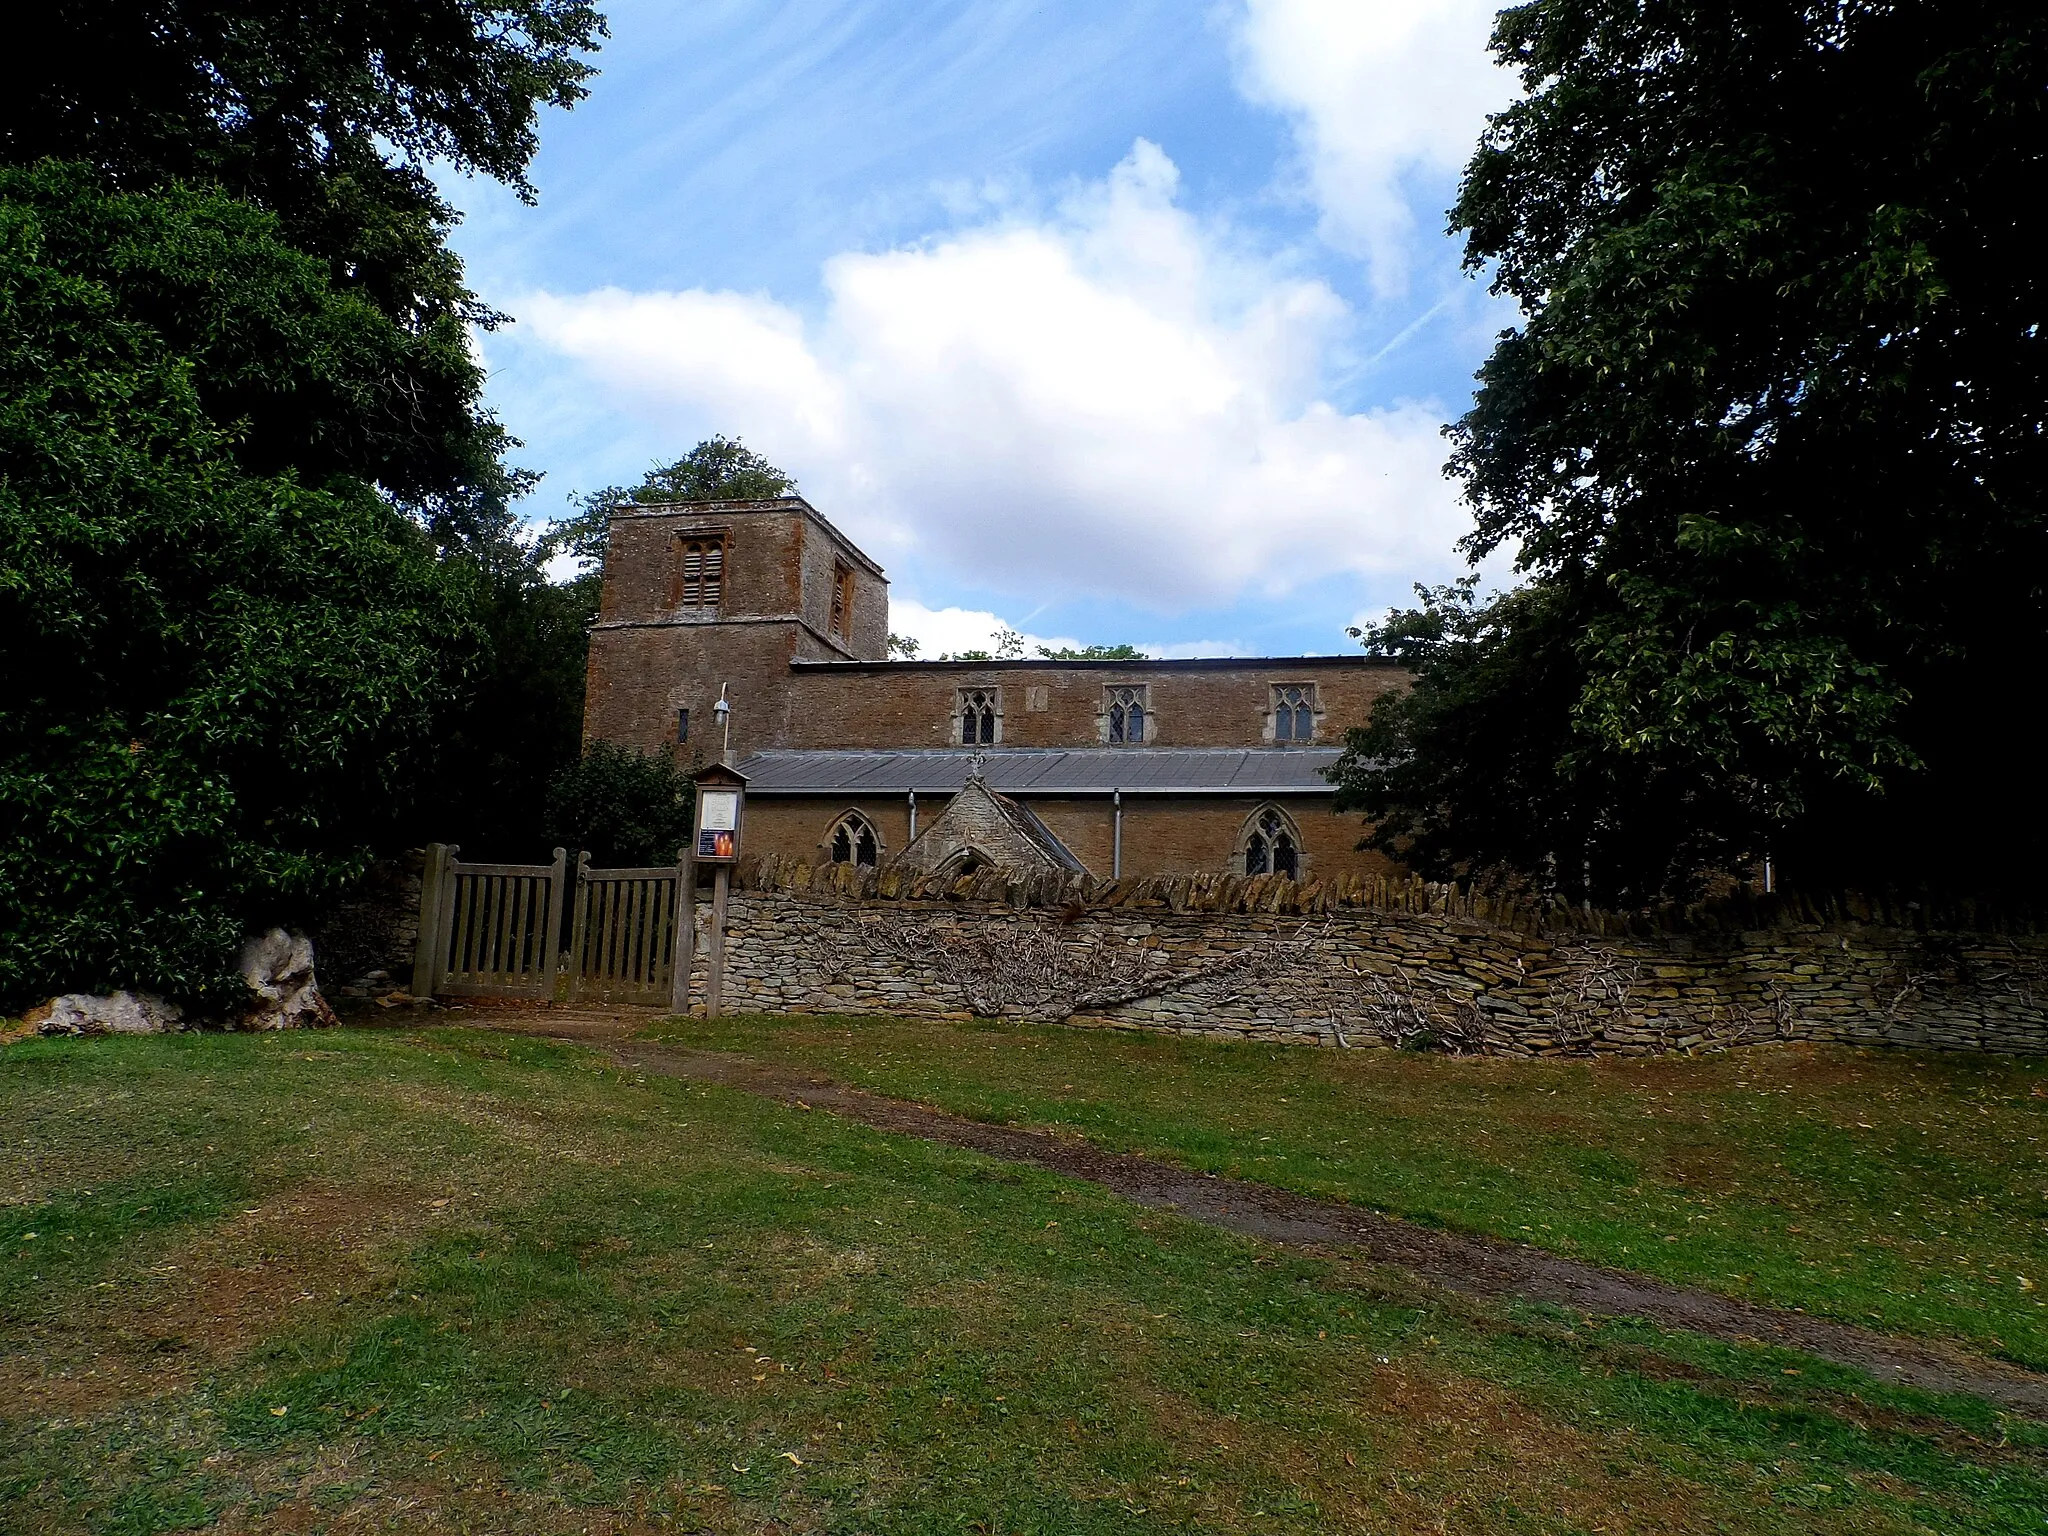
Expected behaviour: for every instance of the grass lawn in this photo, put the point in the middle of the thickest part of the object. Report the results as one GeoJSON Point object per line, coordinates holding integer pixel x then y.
{"type": "Point", "coordinates": [449, 1280]}
{"type": "Point", "coordinates": [1905, 1191]}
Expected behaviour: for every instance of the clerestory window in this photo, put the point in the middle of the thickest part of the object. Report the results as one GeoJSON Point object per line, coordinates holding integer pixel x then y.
{"type": "Point", "coordinates": [980, 716]}
{"type": "Point", "coordinates": [698, 580]}
{"type": "Point", "coordinates": [1294, 712]}
{"type": "Point", "coordinates": [1272, 846]}
{"type": "Point", "coordinates": [853, 840]}
{"type": "Point", "coordinates": [1129, 715]}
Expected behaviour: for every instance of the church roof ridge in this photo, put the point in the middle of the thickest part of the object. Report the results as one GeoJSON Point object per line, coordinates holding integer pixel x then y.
{"type": "Point", "coordinates": [1097, 664]}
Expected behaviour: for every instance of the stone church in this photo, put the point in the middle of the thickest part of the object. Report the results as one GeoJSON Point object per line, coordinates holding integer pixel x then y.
{"type": "Point", "coordinates": [1121, 768]}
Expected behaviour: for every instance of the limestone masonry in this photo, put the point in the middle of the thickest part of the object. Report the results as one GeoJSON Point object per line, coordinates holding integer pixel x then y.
{"type": "Point", "coordinates": [1132, 767]}
{"type": "Point", "coordinates": [1371, 961]}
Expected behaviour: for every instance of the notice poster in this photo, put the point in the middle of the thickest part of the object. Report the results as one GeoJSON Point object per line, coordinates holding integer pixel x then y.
{"type": "Point", "coordinates": [718, 817]}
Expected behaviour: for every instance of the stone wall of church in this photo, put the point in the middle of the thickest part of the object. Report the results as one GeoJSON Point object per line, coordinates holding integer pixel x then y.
{"type": "Point", "coordinates": [1376, 962]}
{"type": "Point", "coordinates": [1163, 834]}
{"type": "Point", "coordinates": [1061, 704]}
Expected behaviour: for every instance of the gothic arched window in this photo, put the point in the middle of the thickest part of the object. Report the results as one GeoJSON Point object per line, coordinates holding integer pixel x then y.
{"type": "Point", "coordinates": [1126, 710]}
{"type": "Point", "coordinates": [1271, 845]}
{"type": "Point", "coordinates": [1294, 711]}
{"type": "Point", "coordinates": [853, 841]}
{"type": "Point", "coordinates": [981, 716]}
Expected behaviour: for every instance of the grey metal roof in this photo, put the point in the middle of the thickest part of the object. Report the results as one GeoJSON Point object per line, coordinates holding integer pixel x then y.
{"type": "Point", "coordinates": [1047, 771]}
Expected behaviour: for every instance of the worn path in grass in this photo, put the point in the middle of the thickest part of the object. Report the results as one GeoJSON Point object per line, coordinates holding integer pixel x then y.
{"type": "Point", "coordinates": [1472, 1265]}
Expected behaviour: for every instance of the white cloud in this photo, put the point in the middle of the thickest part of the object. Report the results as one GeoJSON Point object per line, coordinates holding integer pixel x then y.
{"type": "Point", "coordinates": [1115, 401]}
{"type": "Point", "coordinates": [1379, 90]}
{"type": "Point", "coordinates": [943, 631]}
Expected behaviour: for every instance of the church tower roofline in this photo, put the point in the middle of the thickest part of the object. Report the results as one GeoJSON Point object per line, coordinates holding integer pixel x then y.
{"type": "Point", "coordinates": [782, 505]}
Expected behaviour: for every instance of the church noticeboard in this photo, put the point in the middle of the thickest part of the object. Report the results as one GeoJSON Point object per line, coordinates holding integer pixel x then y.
{"type": "Point", "coordinates": [718, 826]}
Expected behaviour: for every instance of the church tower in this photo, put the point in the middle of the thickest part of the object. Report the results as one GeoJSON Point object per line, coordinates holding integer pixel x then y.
{"type": "Point", "coordinates": [708, 594]}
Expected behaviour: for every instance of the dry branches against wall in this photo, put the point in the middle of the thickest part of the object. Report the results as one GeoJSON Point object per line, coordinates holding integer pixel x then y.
{"type": "Point", "coordinates": [1463, 989]}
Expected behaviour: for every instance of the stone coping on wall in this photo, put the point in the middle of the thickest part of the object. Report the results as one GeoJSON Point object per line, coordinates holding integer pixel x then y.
{"type": "Point", "coordinates": [1280, 896]}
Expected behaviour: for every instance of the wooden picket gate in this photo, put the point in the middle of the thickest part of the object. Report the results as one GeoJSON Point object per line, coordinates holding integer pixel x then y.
{"type": "Point", "coordinates": [495, 930]}
{"type": "Point", "coordinates": [488, 930]}
{"type": "Point", "coordinates": [623, 941]}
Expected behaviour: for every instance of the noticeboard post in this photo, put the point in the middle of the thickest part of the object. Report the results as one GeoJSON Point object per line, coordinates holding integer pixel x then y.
{"type": "Point", "coordinates": [720, 820]}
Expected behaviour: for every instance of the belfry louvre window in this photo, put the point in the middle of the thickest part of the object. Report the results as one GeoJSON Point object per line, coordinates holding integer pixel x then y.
{"type": "Point", "coordinates": [1294, 711]}
{"type": "Point", "coordinates": [981, 716]}
{"type": "Point", "coordinates": [1271, 846]}
{"type": "Point", "coordinates": [1127, 709]}
{"type": "Point", "coordinates": [842, 601]}
{"type": "Point", "coordinates": [853, 841]}
{"type": "Point", "coordinates": [699, 577]}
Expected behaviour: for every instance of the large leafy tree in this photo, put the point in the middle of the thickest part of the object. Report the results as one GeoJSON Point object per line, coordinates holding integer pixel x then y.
{"type": "Point", "coordinates": [1768, 447]}
{"type": "Point", "coordinates": [259, 555]}
{"type": "Point", "coordinates": [329, 116]}
{"type": "Point", "coordinates": [221, 682]}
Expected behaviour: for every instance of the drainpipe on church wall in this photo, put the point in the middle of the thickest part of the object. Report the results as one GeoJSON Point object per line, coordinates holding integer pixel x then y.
{"type": "Point", "coordinates": [1116, 847]}
{"type": "Point", "coordinates": [913, 817]}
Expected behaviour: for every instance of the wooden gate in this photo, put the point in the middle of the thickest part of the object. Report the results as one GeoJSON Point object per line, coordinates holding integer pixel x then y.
{"type": "Point", "coordinates": [488, 930]}
{"type": "Point", "coordinates": [495, 930]}
{"type": "Point", "coordinates": [622, 946]}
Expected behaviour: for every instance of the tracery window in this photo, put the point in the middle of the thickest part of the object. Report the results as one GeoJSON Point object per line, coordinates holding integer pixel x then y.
{"type": "Point", "coordinates": [1127, 709]}
{"type": "Point", "coordinates": [698, 580]}
{"type": "Point", "coordinates": [1294, 711]}
{"type": "Point", "coordinates": [853, 841]}
{"type": "Point", "coordinates": [1271, 845]}
{"type": "Point", "coordinates": [980, 712]}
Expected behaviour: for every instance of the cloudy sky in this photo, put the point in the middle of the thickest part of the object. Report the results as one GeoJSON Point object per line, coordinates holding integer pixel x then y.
{"type": "Point", "coordinates": [1125, 320]}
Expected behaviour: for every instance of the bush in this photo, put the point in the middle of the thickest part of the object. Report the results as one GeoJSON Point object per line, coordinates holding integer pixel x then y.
{"type": "Point", "coordinates": [623, 808]}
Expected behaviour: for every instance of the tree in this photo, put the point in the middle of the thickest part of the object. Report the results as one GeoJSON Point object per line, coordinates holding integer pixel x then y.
{"type": "Point", "coordinates": [1769, 448]}
{"type": "Point", "coordinates": [329, 118]}
{"type": "Point", "coordinates": [253, 510]}
{"type": "Point", "coordinates": [717, 469]}
{"type": "Point", "coordinates": [624, 808]}
{"type": "Point", "coordinates": [1092, 653]}
{"type": "Point", "coordinates": [221, 682]}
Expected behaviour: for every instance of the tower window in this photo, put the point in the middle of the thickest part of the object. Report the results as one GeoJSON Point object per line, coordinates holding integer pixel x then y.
{"type": "Point", "coordinates": [1271, 846]}
{"type": "Point", "coordinates": [682, 725]}
{"type": "Point", "coordinates": [1127, 711]}
{"type": "Point", "coordinates": [1294, 712]}
{"type": "Point", "coordinates": [853, 841]}
{"type": "Point", "coordinates": [699, 577]}
{"type": "Point", "coordinates": [842, 601]}
{"type": "Point", "coordinates": [980, 714]}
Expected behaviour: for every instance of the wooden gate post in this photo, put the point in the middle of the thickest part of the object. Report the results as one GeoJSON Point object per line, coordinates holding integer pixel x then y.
{"type": "Point", "coordinates": [579, 897]}
{"type": "Point", "coordinates": [429, 939]}
{"type": "Point", "coordinates": [552, 928]}
{"type": "Point", "coordinates": [684, 950]}
{"type": "Point", "coordinates": [714, 984]}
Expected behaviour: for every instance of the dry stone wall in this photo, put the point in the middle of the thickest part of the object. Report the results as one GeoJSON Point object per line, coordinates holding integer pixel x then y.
{"type": "Point", "coordinates": [1376, 962]}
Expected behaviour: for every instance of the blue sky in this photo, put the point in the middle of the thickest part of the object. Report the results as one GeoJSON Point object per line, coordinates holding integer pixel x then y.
{"type": "Point", "coordinates": [1110, 322]}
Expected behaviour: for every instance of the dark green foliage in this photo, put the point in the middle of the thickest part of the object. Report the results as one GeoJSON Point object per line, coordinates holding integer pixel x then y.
{"type": "Point", "coordinates": [328, 117]}
{"type": "Point", "coordinates": [623, 808]}
{"type": "Point", "coordinates": [521, 719]}
{"type": "Point", "coordinates": [1092, 653]}
{"type": "Point", "coordinates": [262, 581]}
{"type": "Point", "coordinates": [220, 682]}
{"type": "Point", "coordinates": [717, 469]}
{"type": "Point", "coordinates": [1769, 446]}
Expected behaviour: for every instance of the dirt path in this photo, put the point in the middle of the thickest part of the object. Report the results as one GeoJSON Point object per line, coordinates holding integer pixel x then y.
{"type": "Point", "coordinates": [1472, 1265]}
